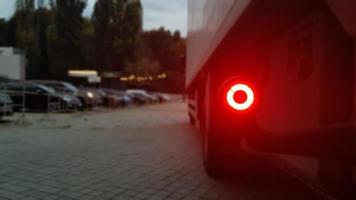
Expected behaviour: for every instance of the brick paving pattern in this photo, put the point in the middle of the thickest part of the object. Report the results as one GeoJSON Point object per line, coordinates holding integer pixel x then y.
{"type": "Point", "coordinates": [135, 153]}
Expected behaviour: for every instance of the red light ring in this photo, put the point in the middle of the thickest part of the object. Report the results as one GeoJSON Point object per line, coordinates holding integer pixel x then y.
{"type": "Point", "coordinates": [243, 88]}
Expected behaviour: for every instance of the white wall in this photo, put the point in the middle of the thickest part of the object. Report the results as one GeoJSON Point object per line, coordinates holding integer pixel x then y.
{"type": "Point", "coordinates": [208, 23]}
{"type": "Point", "coordinates": [12, 64]}
{"type": "Point", "coordinates": [286, 97]}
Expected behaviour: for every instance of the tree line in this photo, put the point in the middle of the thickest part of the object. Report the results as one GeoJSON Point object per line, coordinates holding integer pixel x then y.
{"type": "Point", "coordinates": [56, 37]}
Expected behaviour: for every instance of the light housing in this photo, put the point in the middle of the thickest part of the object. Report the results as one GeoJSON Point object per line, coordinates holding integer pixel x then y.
{"type": "Point", "coordinates": [90, 95]}
{"type": "Point", "coordinates": [240, 96]}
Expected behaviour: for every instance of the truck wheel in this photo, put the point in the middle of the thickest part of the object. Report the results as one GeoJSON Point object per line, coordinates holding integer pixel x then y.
{"type": "Point", "coordinates": [211, 158]}
{"type": "Point", "coordinates": [220, 159]}
{"type": "Point", "coordinates": [221, 149]}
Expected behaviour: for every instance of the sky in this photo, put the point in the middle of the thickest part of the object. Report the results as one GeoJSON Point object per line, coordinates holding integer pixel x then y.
{"type": "Point", "coordinates": [172, 14]}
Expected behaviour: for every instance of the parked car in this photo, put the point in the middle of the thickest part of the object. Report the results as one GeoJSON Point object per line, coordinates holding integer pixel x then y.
{"type": "Point", "coordinates": [142, 94]}
{"type": "Point", "coordinates": [162, 97]}
{"type": "Point", "coordinates": [93, 94]}
{"type": "Point", "coordinates": [139, 97]}
{"type": "Point", "coordinates": [125, 99]}
{"type": "Point", "coordinates": [5, 105]}
{"type": "Point", "coordinates": [120, 97]}
{"type": "Point", "coordinates": [38, 98]}
{"type": "Point", "coordinates": [152, 98]}
{"type": "Point", "coordinates": [86, 97]}
{"type": "Point", "coordinates": [109, 100]}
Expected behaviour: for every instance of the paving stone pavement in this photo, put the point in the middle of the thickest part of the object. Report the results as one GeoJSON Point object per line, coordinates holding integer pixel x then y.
{"type": "Point", "coordinates": [146, 152]}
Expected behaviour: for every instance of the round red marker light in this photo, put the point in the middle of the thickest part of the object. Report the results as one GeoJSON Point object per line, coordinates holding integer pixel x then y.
{"type": "Point", "coordinates": [240, 97]}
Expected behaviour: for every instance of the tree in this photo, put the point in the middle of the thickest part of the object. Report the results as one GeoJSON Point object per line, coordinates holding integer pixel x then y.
{"type": "Point", "coordinates": [131, 27]}
{"type": "Point", "coordinates": [65, 36]}
{"type": "Point", "coordinates": [26, 5]}
{"type": "Point", "coordinates": [88, 44]}
{"type": "Point", "coordinates": [117, 24]}
{"type": "Point", "coordinates": [43, 20]}
{"type": "Point", "coordinates": [169, 49]}
{"type": "Point", "coordinates": [25, 20]}
{"type": "Point", "coordinates": [9, 32]}
{"type": "Point", "coordinates": [3, 25]}
{"type": "Point", "coordinates": [102, 19]}
{"type": "Point", "coordinates": [27, 30]}
{"type": "Point", "coordinates": [25, 34]}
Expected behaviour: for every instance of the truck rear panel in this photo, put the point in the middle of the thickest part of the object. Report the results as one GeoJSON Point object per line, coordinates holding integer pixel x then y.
{"type": "Point", "coordinates": [300, 58]}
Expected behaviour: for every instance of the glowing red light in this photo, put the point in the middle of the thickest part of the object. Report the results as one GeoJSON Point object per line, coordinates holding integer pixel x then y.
{"type": "Point", "coordinates": [239, 103]}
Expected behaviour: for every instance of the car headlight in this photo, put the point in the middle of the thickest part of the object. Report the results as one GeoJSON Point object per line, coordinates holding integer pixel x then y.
{"type": "Point", "coordinates": [90, 95]}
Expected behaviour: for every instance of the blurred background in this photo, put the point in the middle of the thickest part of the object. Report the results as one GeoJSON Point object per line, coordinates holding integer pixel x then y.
{"type": "Point", "coordinates": [116, 44]}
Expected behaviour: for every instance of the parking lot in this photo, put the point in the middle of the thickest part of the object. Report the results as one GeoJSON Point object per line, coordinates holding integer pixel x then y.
{"type": "Point", "coordinates": [147, 152]}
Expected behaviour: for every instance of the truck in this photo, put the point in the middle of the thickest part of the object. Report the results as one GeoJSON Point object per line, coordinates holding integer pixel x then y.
{"type": "Point", "coordinates": [276, 79]}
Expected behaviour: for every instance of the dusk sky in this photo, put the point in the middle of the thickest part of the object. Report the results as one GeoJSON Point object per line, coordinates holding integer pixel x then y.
{"type": "Point", "coordinates": [171, 14]}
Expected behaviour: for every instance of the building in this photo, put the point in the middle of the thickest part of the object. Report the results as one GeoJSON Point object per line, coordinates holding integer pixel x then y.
{"type": "Point", "coordinates": [12, 63]}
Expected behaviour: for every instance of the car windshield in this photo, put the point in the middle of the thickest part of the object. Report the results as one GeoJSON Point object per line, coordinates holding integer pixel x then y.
{"type": "Point", "coordinates": [47, 89]}
{"type": "Point", "coordinates": [4, 97]}
{"type": "Point", "coordinates": [71, 87]}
